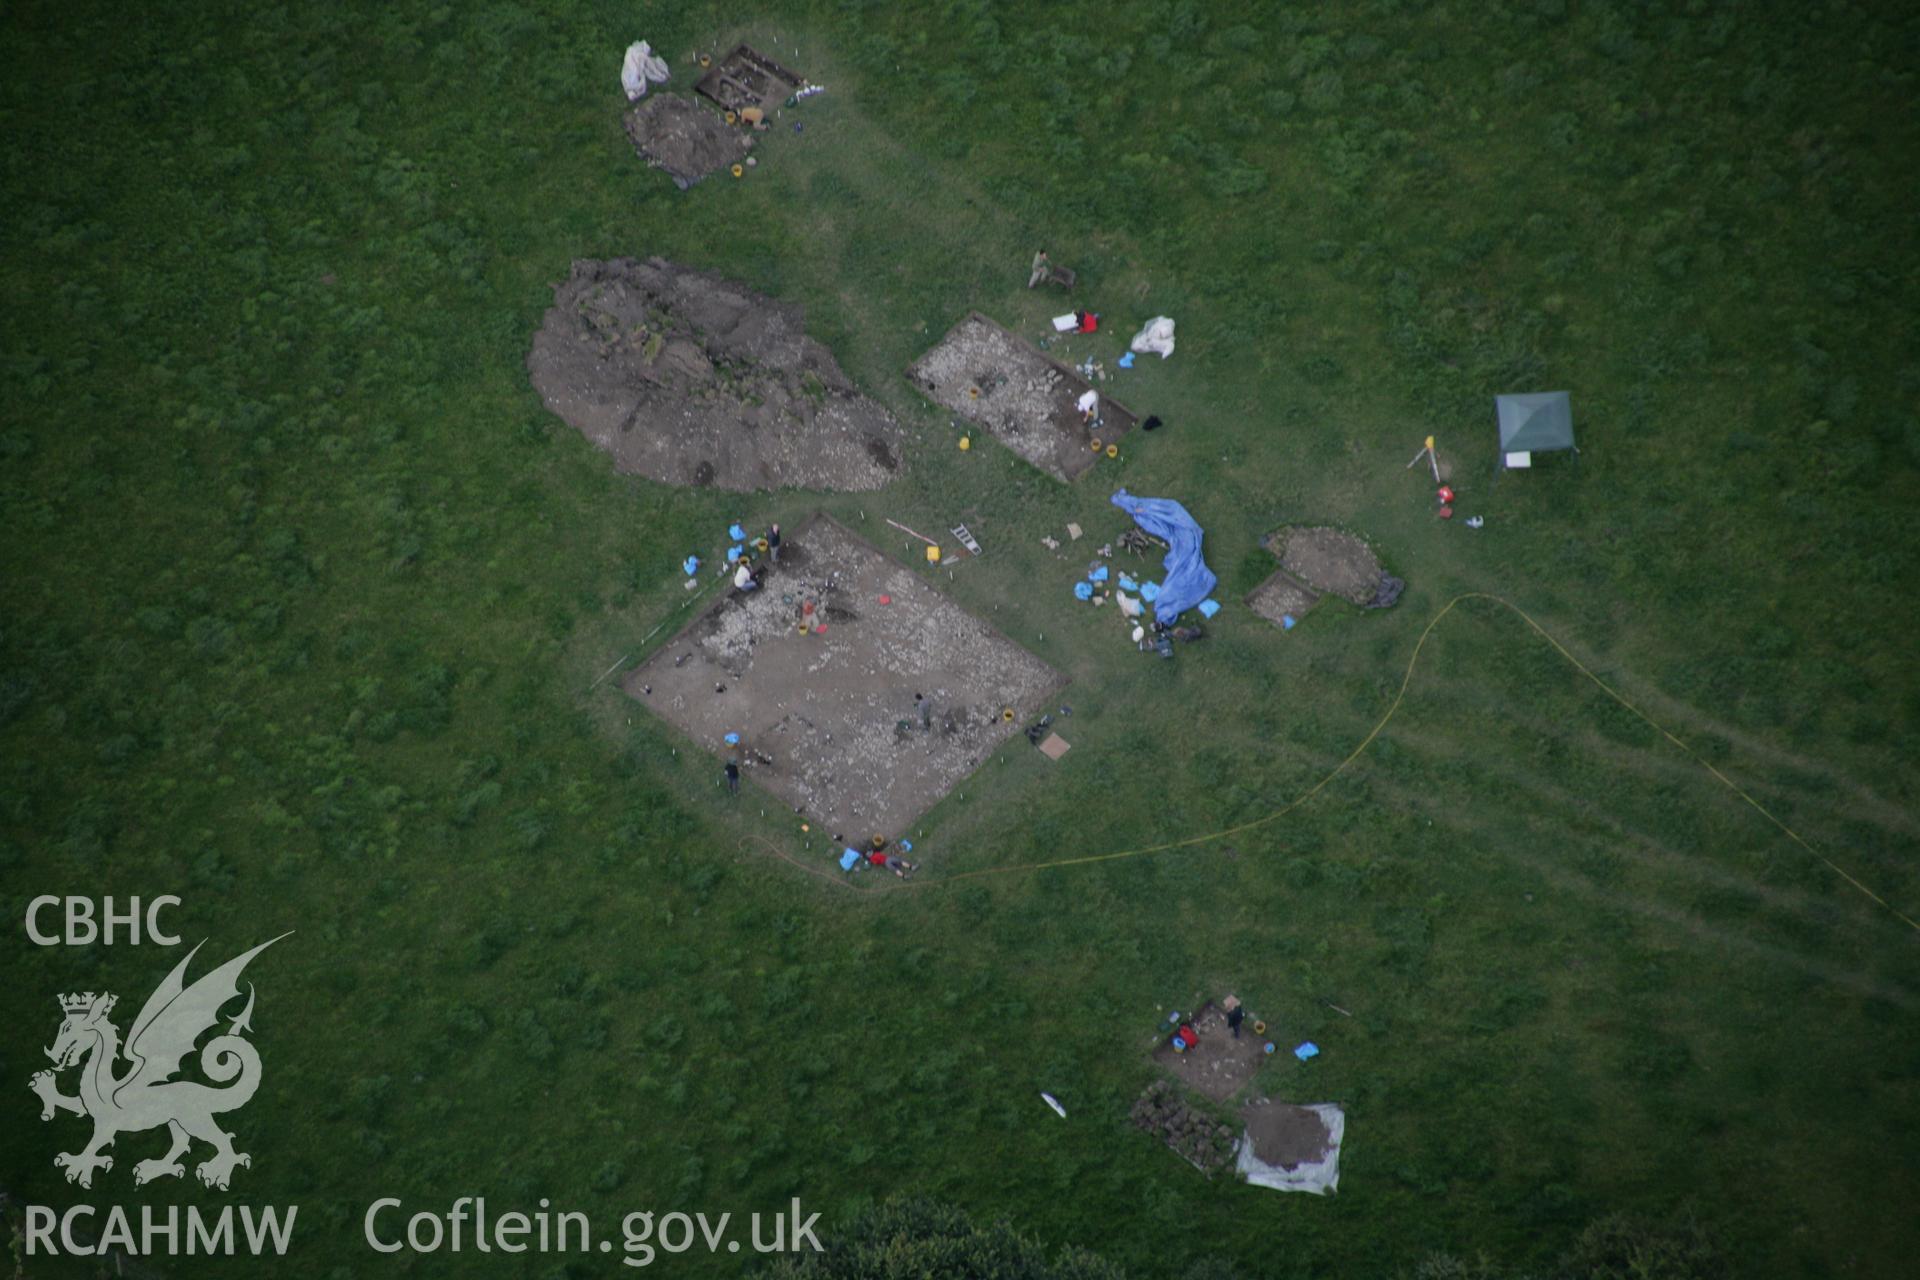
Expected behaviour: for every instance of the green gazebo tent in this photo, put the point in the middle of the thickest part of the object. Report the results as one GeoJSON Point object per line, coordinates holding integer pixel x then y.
{"type": "Point", "coordinates": [1537, 422]}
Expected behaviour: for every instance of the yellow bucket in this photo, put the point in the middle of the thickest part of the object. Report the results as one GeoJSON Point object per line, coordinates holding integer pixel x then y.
{"type": "Point", "coordinates": [966, 442]}
{"type": "Point", "coordinates": [933, 555]}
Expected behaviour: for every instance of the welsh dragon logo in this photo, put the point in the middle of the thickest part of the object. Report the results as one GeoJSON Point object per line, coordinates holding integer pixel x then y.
{"type": "Point", "coordinates": [145, 1096]}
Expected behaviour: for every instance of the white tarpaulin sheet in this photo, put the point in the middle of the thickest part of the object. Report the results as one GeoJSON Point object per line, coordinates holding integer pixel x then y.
{"type": "Point", "coordinates": [1318, 1178]}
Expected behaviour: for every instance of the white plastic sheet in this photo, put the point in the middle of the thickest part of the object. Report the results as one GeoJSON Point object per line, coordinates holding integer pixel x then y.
{"type": "Point", "coordinates": [1318, 1178]}
{"type": "Point", "coordinates": [641, 68]}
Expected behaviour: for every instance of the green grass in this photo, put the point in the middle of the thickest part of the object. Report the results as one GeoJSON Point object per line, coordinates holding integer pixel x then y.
{"type": "Point", "coordinates": [306, 592]}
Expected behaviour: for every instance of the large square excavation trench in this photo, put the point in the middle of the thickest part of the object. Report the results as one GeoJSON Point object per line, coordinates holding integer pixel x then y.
{"type": "Point", "coordinates": [1026, 400]}
{"type": "Point", "coordinates": [828, 720]}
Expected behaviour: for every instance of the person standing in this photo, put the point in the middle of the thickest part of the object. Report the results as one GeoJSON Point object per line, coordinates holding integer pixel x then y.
{"type": "Point", "coordinates": [773, 544]}
{"type": "Point", "coordinates": [1235, 1015]}
{"type": "Point", "coordinates": [733, 777]}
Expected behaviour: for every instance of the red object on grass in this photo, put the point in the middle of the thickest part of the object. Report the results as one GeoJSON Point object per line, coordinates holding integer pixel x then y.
{"type": "Point", "coordinates": [1446, 494]}
{"type": "Point", "coordinates": [1446, 513]}
{"type": "Point", "coordinates": [1089, 322]}
{"type": "Point", "coordinates": [1187, 1035]}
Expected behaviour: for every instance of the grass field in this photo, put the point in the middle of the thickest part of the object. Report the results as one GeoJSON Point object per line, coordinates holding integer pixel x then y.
{"type": "Point", "coordinates": [305, 594]}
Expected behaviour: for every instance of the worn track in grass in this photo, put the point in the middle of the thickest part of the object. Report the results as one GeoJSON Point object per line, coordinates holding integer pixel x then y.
{"type": "Point", "coordinates": [1406, 680]}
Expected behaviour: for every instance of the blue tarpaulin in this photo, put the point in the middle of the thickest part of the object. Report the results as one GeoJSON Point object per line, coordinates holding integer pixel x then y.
{"type": "Point", "coordinates": [1188, 579]}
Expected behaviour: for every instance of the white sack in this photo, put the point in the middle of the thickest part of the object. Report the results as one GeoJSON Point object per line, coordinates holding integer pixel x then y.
{"type": "Point", "coordinates": [640, 69]}
{"type": "Point", "coordinates": [1156, 337]}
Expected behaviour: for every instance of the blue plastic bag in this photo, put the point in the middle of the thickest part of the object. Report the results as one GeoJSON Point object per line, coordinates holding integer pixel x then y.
{"type": "Point", "coordinates": [1150, 591]}
{"type": "Point", "coordinates": [850, 859]}
{"type": "Point", "coordinates": [1307, 1050]}
{"type": "Point", "coordinates": [1286, 622]}
{"type": "Point", "coordinates": [1083, 591]}
{"type": "Point", "coordinates": [735, 552]}
{"type": "Point", "coordinates": [735, 532]}
{"type": "Point", "coordinates": [1126, 361]}
{"type": "Point", "coordinates": [1209, 607]}
{"type": "Point", "coordinates": [1128, 584]}
{"type": "Point", "coordinates": [692, 565]}
{"type": "Point", "coordinates": [1098, 575]}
